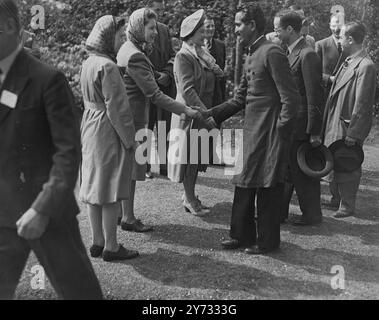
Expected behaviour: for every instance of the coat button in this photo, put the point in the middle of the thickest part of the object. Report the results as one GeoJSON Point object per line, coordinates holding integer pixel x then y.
{"type": "Point", "coordinates": [22, 177]}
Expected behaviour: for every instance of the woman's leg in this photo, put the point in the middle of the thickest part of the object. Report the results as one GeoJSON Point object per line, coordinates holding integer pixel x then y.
{"type": "Point", "coordinates": [95, 217]}
{"type": "Point", "coordinates": [189, 182]}
{"type": "Point", "coordinates": [128, 205]}
{"type": "Point", "coordinates": [110, 215]}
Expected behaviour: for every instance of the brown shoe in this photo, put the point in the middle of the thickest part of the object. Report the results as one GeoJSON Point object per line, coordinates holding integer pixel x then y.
{"type": "Point", "coordinates": [137, 226]}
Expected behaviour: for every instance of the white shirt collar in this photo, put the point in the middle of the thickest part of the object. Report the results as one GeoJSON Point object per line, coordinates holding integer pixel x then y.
{"type": "Point", "coordinates": [6, 64]}
{"type": "Point", "coordinates": [293, 45]}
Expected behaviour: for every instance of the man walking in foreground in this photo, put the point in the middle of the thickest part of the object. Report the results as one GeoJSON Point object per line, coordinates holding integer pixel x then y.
{"type": "Point", "coordinates": [39, 161]}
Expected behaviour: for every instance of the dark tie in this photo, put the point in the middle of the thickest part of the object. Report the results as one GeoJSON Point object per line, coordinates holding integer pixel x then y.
{"type": "Point", "coordinates": [339, 47]}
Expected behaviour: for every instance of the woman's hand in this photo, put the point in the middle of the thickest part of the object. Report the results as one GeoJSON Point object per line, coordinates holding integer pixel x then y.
{"type": "Point", "coordinates": [205, 113]}
{"type": "Point", "coordinates": [193, 112]}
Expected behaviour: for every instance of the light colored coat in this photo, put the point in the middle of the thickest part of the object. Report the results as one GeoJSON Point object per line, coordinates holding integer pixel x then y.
{"type": "Point", "coordinates": [352, 99]}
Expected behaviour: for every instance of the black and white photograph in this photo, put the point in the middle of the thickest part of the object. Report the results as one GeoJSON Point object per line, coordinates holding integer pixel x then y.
{"type": "Point", "coordinates": [188, 156]}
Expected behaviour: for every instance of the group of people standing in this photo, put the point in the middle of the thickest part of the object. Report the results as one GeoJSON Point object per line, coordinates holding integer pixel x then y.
{"type": "Point", "coordinates": [122, 83]}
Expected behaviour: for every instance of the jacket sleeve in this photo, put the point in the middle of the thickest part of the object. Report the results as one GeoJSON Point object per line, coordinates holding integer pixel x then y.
{"type": "Point", "coordinates": [361, 120]}
{"type": "Point", "coordinates": [59, 107]}
{"type": "Point", "coordinates": [278, 66]}
{"type": "Point", "coordinates": [311, 71]}
{"type": "Point", "coordinates": [141, 72]}
{"type": "Point", "coordinates": [229, 108]}
{"type": "Point", "coordinates": [118, 110]}
{"type": "Point", "coordinates": [186, 81]}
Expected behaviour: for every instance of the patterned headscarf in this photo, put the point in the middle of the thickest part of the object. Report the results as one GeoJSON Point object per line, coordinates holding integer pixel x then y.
{"type": "Point", "coordinates": [136, 31]}
{"type": "Point", "coordinates": [102, 36]}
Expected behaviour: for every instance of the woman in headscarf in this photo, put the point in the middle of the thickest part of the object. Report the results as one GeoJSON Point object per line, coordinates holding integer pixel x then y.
{"type": "Point", "coordinates": [195, 73]}
{"type": "Point", "coordinates": [108, 138]}
{"type": "Point", "coordinates": [142, 88]}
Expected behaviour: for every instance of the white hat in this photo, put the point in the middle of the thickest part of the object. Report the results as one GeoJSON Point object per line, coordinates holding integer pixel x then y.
{"type": "Point", "coordinates": [192, 23]}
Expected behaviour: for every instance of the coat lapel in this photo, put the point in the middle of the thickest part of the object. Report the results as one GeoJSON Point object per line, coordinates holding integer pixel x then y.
{"type": "Point", "coordinates": [15, 81]}
{"type": "Point", "coordinates": [349, 73]}
{"type": "Point", "coordinates": [295, 54]}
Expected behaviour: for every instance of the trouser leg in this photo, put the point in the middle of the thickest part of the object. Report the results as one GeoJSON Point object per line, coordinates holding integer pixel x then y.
{"type": "Point", "coordinates": [333, 187]}
{"type": "Point", "coordinates": [14, 252]}
{"type": "Point", "coordinates": [268, 209]}
{"type": "Point", "coordinates": [308, 189]}
{"type": "Point", "coordinates": [348, 191]}
{"type": "Point", "coordinates": [288, 189]}
{"type": "Point", "coordinates": [243, 227]}
{"type": "Point", "coordinates": [62, 254]}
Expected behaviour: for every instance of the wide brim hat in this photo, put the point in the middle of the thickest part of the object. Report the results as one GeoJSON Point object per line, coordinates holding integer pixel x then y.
{"type": "Point", "coordinates": [191, 23]}
{"type": "Point", "coordinates": [315, 162]}
{"type": "Point", "coordinates": [346, 159]}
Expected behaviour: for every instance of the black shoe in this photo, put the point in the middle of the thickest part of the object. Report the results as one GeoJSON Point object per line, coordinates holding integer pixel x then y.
{"type": "Point", "coordinates": [256, 250]}
{"type": "Point", "coordinates": [137, 226]}
{"type": "Point", "coordinates": [231, 244]}
{"type": "Point", "coordinates": [302, 223]}
{"type": "Point", "coordinates": [341, 214]}
{"type": "Point", "coordinates": [96, 251]}
{"type": "Point", "coordinates": [121, 254]}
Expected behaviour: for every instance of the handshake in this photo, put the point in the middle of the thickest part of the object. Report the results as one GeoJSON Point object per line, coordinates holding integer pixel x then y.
{"type": "Point", "coordinates": [202, 114]}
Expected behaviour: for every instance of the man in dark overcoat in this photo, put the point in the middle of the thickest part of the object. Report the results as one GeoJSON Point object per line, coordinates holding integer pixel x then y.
{"type": "Point", "coordinates": [270, 98]}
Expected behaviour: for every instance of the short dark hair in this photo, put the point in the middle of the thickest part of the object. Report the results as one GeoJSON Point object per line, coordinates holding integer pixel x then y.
{"type": "Point", "coordinates": [9, 9]}
{"type": "Point", "coordinates": [290, 18]}
{"type": "Point", "coordinates": [356, 30]}
{"type": "Point", "coordinates": [253, 12]}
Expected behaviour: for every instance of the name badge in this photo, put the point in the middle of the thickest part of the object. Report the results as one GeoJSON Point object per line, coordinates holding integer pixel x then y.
{"type": "Point", "coordinates": [8, 99]}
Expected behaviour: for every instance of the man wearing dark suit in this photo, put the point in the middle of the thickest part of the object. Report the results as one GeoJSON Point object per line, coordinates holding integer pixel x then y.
{"type": "Point", "coordinates": [306, 70]}
{"type": "Point", "coordinates": [217, 49]}
{"type": "Point", "coordinates": [330, 52]}
{"type": "Point", "coordinates": [269, 96]}
{"type": "Point", "coordinates": [39, 160]}
{"type": "Point", "coordinates": [162, 58]}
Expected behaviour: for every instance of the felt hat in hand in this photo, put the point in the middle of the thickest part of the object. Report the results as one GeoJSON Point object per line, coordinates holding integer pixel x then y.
{"type": "Point", "coordinates": [346, 159]}
{"type": "Point", "coordinates": [315, 162]}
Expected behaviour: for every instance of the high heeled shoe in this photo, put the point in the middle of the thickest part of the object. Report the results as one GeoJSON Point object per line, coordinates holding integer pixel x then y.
{"type": "Point", "coordinates": [195, 208]}
{"type": "Point", "coordinates": [198, 200]}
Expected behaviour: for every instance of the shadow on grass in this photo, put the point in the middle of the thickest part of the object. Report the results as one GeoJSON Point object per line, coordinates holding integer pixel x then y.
{"type": "Point", "coordinates": [369, 234]}
{"type": "Point", "coordinates": [319, 261]}
{"type": "Point", "coordinates": [193, 271]}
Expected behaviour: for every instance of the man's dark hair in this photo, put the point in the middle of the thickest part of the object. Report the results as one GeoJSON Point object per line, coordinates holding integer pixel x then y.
{"type": "Point", "coordinates": [9, 9]}
{"type": "Point", "coordinates": [149, 3]}
{"type": "Point", "coordinates": [290, 18]}
{"type": "Point", "coordinates": [356, 30]}
{"type": "Point", "coordinates": [253, 12]}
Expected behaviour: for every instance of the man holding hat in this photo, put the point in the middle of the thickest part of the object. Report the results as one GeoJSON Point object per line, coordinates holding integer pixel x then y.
{"type": "Point", "coordinates": [39, 161]}
{"type": "Point", "coordinates": [270, 98]}
{"type": "Point", "coordinates": [348, 117]}
{"type": "Point", "coordinates": [306, 70]}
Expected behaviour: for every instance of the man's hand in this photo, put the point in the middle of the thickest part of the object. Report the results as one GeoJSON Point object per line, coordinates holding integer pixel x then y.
{"type": "Point", "coordinates": [332, 78]}
{"type": "Point", "coordinates": [350, 141]}
{"type": "Point", "coordinates": [211, 123]}
{"type": "Point", "coordinates": [315, 141]}
{"type": "Point", "coordinates": [163, 79]}
{"type": "Point", "coordinates": [205, 113]}
{"type": "Point", "coordinates": [32, 225]}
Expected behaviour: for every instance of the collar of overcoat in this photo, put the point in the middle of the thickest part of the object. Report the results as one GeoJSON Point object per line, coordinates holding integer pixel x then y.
{"type": "Point", "coordinates": [252, 48]}
{"type": "Point", "coordinates": [15, 81]}
{"type": "Point", "coordinates": [349, 73]}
